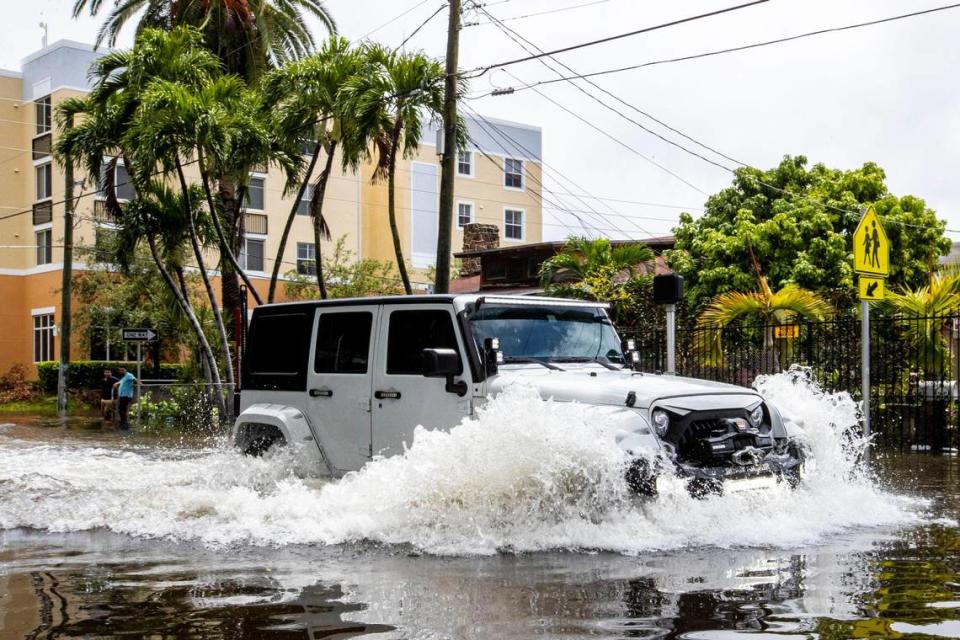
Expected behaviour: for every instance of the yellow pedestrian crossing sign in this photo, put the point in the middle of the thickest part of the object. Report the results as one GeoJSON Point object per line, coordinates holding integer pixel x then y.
{"type": "Point", "coordinates": [871, 249]}
{"type": "Point", "coordinates": [871, 288]}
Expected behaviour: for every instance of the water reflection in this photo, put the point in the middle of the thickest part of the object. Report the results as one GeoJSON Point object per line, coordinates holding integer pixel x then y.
{"type": "Point", "coordinates": [868, 584]}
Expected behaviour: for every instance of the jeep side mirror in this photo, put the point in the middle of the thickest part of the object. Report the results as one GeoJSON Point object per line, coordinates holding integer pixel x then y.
{"type": "Point", "coordinates": [630, 353]}
{"type": "Point", "coordinates": [443, 363]}
{"type": "Point", "coordinates": [492, 356]}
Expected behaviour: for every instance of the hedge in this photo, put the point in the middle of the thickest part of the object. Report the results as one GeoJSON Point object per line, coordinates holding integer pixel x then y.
{"type": "Point", "coordinates": [87, 374]}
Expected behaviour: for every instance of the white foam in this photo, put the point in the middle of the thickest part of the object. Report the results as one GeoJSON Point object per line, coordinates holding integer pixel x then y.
{"type": "Point", "coordinates": [525, 474]}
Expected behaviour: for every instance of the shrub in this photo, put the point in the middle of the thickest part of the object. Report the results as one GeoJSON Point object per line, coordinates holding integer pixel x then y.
{"type": "Point", "coordinates": [86, 374]}
{"type": "Point", "coordinates": [15, 387]}
{"type": "Point", "coordinates": [181, 408]}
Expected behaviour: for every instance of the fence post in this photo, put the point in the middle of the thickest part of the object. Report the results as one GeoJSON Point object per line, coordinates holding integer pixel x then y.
{"type": "Point", "coordinates": [865, 367]}
{"type": "Point", "coordinates": [671, 338]}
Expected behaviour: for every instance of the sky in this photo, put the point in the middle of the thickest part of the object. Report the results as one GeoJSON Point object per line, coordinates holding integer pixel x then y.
{"type": "Point", "coordinates": [887, 93]}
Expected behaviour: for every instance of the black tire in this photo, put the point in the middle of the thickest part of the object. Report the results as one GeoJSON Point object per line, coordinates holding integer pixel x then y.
{"type": "Point", "coordinates": [703, 488]}
{"type": "Point", "coordinates": [641, 479]}
{"type": "Point", "coordinates": [260, 445]}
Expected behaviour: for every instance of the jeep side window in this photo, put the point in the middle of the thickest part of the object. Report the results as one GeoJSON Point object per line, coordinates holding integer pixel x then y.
{"type": "Point", "coordinates": [413, 331]}
{"type": "Point", "coordinates": [277, 352]}
{"type": "Point", "coordinates": [343, 342]}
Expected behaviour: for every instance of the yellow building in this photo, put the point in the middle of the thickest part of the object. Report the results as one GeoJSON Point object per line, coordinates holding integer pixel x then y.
{"type": "Point", "coordinates": [498, 183]}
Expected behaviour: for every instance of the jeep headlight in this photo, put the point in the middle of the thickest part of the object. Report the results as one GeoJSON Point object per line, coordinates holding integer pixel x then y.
{"type": "Point", "coordinates": [756, 416]}
{"type": "Point", "coordinates": [661, 422]}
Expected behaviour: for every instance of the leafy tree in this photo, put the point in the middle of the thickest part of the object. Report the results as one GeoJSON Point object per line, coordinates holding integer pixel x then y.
{"type": "Point", "coordinates": [592, 269]}
{"type": "Point", "coordinates": [799, 223]}
{"type": "Point", "coordinates": [349, 277]}
{"type": "Point", "coordinates": [926, 313]}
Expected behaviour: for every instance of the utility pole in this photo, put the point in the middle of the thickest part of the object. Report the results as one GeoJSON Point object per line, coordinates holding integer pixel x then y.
{"type": "Point", "coordinates": [66, 288]}
{"type": "Point", "coordinates": [449, 160]}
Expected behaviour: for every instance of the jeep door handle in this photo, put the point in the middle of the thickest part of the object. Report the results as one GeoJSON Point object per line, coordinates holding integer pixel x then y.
{"type": "Point", "coordinates": [386, 394]}
{"type": "Point", "coordinates": [321, 393]}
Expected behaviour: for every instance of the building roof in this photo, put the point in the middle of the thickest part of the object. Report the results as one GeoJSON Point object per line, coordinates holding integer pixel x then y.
{"type": "Point", "coordinates": [658, 243]}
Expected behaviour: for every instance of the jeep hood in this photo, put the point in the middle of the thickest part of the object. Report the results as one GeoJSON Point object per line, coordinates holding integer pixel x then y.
{"type": "Point", "coordinates": [592, 385]}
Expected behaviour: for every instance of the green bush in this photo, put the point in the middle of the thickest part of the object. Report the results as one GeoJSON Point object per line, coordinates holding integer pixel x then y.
{"type": "Point", "coordinates": [87, 374]}
{"type": "Point", "coordinates": [183, 408]}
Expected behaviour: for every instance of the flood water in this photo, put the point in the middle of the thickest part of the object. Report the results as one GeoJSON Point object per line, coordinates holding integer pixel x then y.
{"type": "Point", "coordinates": [472, 534]}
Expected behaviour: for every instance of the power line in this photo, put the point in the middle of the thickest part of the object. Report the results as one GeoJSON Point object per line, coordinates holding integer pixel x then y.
{"type": "Point", "coordinates": [394, 19]}
{"type": "Point", "coordinates": [422, 25]}
{"type": "Point", "coordinates": [538, 13]}
{"type": "Point", "coordinates": [482, 70]}
{"type": "Point", "coordinates": [745, 47]}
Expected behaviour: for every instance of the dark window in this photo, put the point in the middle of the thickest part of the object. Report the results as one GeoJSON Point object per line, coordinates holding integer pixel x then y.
{"type": "Point", "coordinates": [43, 328]}
{"type": "Point", "coordinates": [306, 259]}
{"type": "Point", "coordinates": [278, 349]}
{"type": "Point", "coordinates": [303, 207]}
{"type": "Point", "coordinates": [44, 246]}
{"type": "Point", "coordinates": [343, 342]}
{"type": "Point", "coordinates": [513, 224]}
{"type": "Point", "coordinates": [465, 163]}
{"type": "Point", "coordinates": [124, 184]}
{"type": "Point", "coordinates": [251, 254]}
{"type": "Point", "coordinates": [496, 270]}
{"type": "Point", "coordinates": [413, 331]}
{"type": "Point", "coordinates": [44, 173]}
{"type": "Point", "coordinates": [513, 173]}
{"type": "Point", "coordinates": [255, 194]}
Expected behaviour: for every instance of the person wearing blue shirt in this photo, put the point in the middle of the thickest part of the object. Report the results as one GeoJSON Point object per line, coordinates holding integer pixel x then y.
{"type": "Point", "coordinates": [125, 396]}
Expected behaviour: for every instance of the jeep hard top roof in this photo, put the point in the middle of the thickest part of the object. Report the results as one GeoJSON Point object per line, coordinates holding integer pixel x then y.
{"type": "Point", "coordinates": [460, 301]}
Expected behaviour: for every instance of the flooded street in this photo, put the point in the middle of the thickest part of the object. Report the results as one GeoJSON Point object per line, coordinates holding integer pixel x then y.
{"type": "Point", "coordinates": [471, 534]}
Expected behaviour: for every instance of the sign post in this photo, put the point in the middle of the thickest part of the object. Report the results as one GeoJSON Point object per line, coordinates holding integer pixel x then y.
{"type": "Point", "coordinates": [871, 261]}
{"type": "Point", "coordinates": [139, 335]}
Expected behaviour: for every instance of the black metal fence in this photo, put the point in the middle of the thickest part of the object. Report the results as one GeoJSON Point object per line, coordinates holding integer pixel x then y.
{"type": "Point", "coordinates": [915, 367]}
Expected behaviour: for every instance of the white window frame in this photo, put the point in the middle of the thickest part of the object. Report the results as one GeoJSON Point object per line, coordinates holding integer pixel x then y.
{"type": "Point", "coordinates": [523, 179]}
{"type": "Point", "coordinates": [246, 203]}
{"type": "Point", "coordinates": [37, 332]}
{"type": "Point", "coordinates": [242, 258]}
{"type": "Point", "coordinates": [43, 228]}
{"type": "Point", "coordinates": [47, 162]}
{"type": "Point", "coordinates": [306, 200]}
{"type": "Point", "coordinates": [523, 224]}
{"type": "Point", "coordinates": [314, 258]}
{"type": "Point", "coordinates": [49, 112]}
{"type": "Point", "coordinates": [471, 159]}
{"type": "Point", "coordinates": [473, 212]}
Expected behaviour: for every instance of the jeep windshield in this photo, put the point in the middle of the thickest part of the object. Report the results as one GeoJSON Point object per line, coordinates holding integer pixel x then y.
{"type": "Point", "coordinates": [548, 333]}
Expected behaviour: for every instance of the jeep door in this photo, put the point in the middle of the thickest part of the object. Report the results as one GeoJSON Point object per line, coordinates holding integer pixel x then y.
{"type": "Point", "coordinates": [403, 398]}
{"type": "Point", "coordinates": [339, 382]}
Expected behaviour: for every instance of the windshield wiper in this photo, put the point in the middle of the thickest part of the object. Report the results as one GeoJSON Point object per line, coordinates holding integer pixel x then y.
{"type": "Point", "coordinates": [513, 359]}
{"type": "Point", "coordinates": [599, 360]}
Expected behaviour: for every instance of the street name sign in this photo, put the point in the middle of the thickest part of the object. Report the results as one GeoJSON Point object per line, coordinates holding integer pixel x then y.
{"type": "Point", "coordinates": [871, 248]}
{"type": "Point", "coordinates": [140, 335]}
{"type": "Point", "coordinates": [871, 288]}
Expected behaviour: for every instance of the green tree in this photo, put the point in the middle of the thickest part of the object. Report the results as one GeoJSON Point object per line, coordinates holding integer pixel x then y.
{"type": "Point", "coordinates": [593, 269]}
{"type": "Point", "coordinates": [350, 277]}
{"type": "Point", "coordinates": [390, 98]}
{"type": "Point", "coordinates": [800, 227]}
{"type": "Point", "coordinates": [247, 35]}
{"type": "Point", "coordinates": [926, 313]}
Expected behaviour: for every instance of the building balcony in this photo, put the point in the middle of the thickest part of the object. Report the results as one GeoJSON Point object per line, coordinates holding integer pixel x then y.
{"type": "Point", "coordinates": [255, 223]}
{"type": "Point", "coordinates": [42, 146]}
{"type": "Point", "coordinates": [42, 212]}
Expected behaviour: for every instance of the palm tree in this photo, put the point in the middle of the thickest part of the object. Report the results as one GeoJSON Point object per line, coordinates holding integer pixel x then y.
{"type": "Point", "coordinates": [926, 312]}
{"type": "Point", "coordinates": [305, 100]}
{"type": "Point", "coordinates": [589, 269]}
{"type": "Point", "coordinates": [247, 35]}
{"type": "Point", "coordinates": [390, 98]}
{"type": "Point", "coordinates": [122, 117]}
{"type": "Point", "coordinates": [769, 307]}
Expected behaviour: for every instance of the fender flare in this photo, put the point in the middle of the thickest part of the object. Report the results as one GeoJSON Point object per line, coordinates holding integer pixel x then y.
{"type": "Point", "coordinates": [292, 424]}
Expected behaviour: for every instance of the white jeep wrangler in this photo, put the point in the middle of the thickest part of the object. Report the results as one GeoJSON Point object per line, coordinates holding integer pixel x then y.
{"type": "Point", "coordinates": [351, 379]}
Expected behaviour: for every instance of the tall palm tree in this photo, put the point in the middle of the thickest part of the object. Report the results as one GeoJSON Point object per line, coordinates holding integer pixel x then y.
{"type": "Point", "coordinates": [767, 306]}
{"type": "Point", "coordinates": [390, 99]}
{"type": "Point", "coordinates": [305, 100]}
{"type": "Point", "coordinates": [575, 270]}
{"type": "Point", "coordinates": [121, 117]}
{"type": "Point", "coordinates": [247, 35]}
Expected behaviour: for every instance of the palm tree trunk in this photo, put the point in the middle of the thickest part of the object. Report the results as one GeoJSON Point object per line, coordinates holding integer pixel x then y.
{"type": "Point", "coordinates": [289, 225]}
{"type": "Point", "coordinates": [392, 206]}
{"type": "Point", "coordinates": [317, 216]}
{"type": "Point", "coordinates": [222, 239]}
{"type": "Point", "coordinates": [211, 296]}
{"type": "Point", "coordinates": [181, 296]}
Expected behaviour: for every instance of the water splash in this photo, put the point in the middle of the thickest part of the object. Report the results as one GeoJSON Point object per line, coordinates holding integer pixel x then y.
{"type": "Point", "coordinates": [525, 474]}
